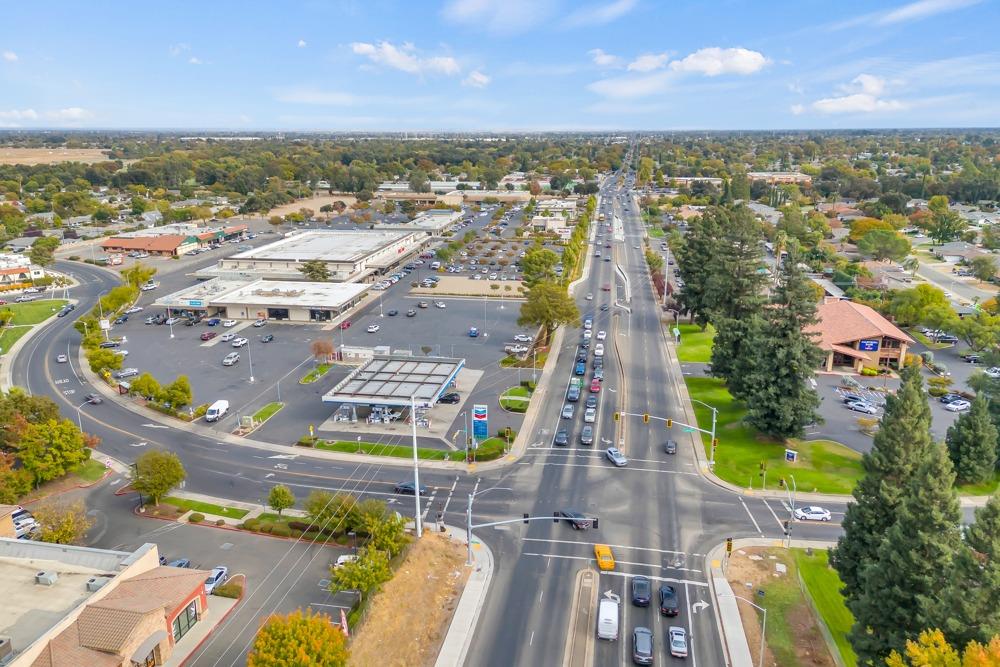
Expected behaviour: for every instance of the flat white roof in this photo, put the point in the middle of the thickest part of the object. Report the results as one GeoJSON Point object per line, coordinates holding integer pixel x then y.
{"type": "Point", "coordinates": [392, 380]}
{"type": "Point", "coordinates": [325, 245]}
{"type": "Point", "coordinates": [283, 293]}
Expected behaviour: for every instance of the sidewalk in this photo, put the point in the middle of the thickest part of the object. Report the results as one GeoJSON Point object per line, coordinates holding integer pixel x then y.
{"type": "Point", "coordinates": [218, 609]}
{"type": "Point", "coordinates": [463, 623]}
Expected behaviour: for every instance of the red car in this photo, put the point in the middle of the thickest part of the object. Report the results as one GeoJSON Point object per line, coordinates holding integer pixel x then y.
{"type": "Point", "coordinates": [595, 386]}
{"type": "Point", "coordinates": [606, 288]}
{"type": "Point", "coordinates": [346, 324]}
{"type": "Point", "coordinates": [208, 335]}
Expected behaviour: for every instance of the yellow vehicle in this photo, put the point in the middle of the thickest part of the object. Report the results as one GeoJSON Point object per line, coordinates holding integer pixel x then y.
{"type": "Point", "coordinates": [605, 559]}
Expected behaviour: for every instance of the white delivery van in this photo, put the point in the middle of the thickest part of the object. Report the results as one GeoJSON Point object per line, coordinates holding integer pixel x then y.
{"type": "Point", "coordinates": [435, 266]}
{"type": "Point", "coordinates": [607, 617]}
{"type": "Point", "coordinates": [216, 411]}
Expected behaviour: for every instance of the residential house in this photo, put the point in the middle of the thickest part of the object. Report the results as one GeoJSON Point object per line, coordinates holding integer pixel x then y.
{"type": "Point", "coordinates": [957, 251]}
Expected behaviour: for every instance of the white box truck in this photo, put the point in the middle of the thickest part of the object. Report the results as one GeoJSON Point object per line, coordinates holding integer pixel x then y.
{"type": "Point", "coordinates": [216, 411]}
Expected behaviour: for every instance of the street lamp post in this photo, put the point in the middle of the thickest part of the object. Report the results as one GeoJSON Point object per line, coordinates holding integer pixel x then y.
{"type": "Point", "coordinates": [250, 359]}
{"type": "Point", "coordinates": [169, 322]}
{"type": "Point", "coordinates": [763, 625]}
{"type": "Point", "coordinates": [416, 467]}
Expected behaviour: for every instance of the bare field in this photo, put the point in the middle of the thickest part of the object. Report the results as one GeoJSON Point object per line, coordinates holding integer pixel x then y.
{"type": "Point", "coordinates": [313, 203]}
{"type": "Point", "coordinates": [33, 156]}
{"type": "Point", "coordinates": [430, 580]}
{"type": "Point", "coordinates": [464, 286]}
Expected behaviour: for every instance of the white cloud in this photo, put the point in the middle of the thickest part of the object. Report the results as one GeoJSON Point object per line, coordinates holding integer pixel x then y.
{"type": "Point", "coordinates": [69, 114]}
{"type": "Point", "coordinates": [10, 56]}
{"type": "Point", "coordinates": [405, 59]}
{"type": "Point", "coordinates": [862, 95]}
{"type": "Point", "coordinates": [194, 61]}
{"type": "Point", "coordinates": [15, 115]}
{"type": "Point", "coordinates": [922, 9]}
{"type": "Point", "coordinates": [714, 61]}
{"type": "Point", "coordinates": [599, 14]}
{"type": "Point", "coordinates": [476, 79]}
{"type": "Point", "coordinates": [602, 59]}
{"type": "Point", "coordinates": [307, 95]}
{"type": "Point", "coordinates": [501, 16]}
{"type": "Point", "coordinates": [648, 62]}
{"type": "Point", "coordinates": [796, 87]}
{"type": "Point", "coordinates": [302, 44]}
{"type": "Point", "coordinates": [177, 49]}
{"type": "Point", "coordinates": [631, 86]}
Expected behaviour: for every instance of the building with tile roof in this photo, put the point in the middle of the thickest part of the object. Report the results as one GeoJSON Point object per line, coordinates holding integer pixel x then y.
{"type": "Point", "coordinates": [856, 336]}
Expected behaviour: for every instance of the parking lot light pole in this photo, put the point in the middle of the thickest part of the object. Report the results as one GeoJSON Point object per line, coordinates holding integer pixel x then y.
{"type": "Point", "coordinates": [416, 467]}
{"type": "Point", "coordinates": [169, 323]}
{"type": "Point", "coordinates": [250, 359]}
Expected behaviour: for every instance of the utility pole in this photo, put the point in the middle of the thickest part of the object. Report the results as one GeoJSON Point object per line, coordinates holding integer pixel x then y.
{"type": "Point", "coordinates": [416, 467]}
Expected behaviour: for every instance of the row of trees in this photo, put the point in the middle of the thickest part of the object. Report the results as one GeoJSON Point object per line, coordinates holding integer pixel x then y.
{"type": "Point", "coordinates": [905, 560]}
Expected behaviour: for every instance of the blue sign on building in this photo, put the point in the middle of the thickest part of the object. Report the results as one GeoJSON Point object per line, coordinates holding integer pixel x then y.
{"type": "Point", "coordinates": [480, 426]}
{"type": "Point", "coordinates": [196, 303]}
{"type": "Point", "coordinates": [868, 345]}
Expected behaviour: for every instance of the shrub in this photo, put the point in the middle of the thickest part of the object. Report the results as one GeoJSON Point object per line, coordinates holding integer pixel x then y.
{"type": "Point", "coordinates": [937, 392]}
{"type": "Point", "coordinates": [494, 286]}
{"type": "Point", "coordinates": [220, 522]}
{"type": "Point", "coordinates": [911, 359]}
{"type": "Point", "coordinates": [280, 530]}
{"type": "Point", "coordinates": [307, 441]}
{"type": "Point", "coordinates": [196, 518]}
{"type": "Point", "coordinates": [869, 372]}
{"type": "Point", "coordinates": [201, 410]}
{"type": "Point", "coordinates": [301, 525]}
{"type": "Point", "coordinates": [251, 524]}
{"type": "Point", "coordinates": [230, 589]}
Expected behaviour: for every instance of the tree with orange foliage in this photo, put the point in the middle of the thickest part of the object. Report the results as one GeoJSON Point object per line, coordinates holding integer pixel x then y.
{"type": "Point", "coordinates": [932, 650]}
{"type": "Point", "coordinates": [303, 640]}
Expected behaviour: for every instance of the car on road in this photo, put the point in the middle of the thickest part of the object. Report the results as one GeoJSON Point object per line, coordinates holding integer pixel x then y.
{"type": "Point", "coordinates": [605, 287]}
{"type": "Point", "coordinates": [408, 489]}
{"type": "Point", "coordinates": [568, 411]}
{"type": "Point", "coordinates": [677, 639]}
{"type": "Point", "coordinates": [587, 335]}
{"type": "Point", "coordinates": [604, 307]}
{"type": "Point", "coordinates": [580, 368]}
{"type": "Point", "coordinates": [605, 557]}
{"type": "Point", "coordinates": [62, 358]}
{"type": "Point", "coordinates": [392, 313]}
{"type": "Point", "coordinates": [217, 577]}
{"type": "Point", "coordinates": [595, 386]}
{"type": "Point", "coordinates": [590, 415]}
{"type": "Point", "coordinates": [523, 338]}
{"type": "Point", "coordinates": [125, 373]}
{"type": "Point", "coordinates": [180, 562]}
{"type": "Point", "coordinates": [862, 406]}
{"type": "Point", "coordinates": [591, 401]}
{"type": "Point", "coordinates": [812, 513]}
{"type": "Point", "coordinates": [642, 591]}
{"type": "Point", "coordinates": [451, 398]}
{"type": "Point", "coordinates": [411, 313]}
{"type": "Point", "coordinates": [440, 304]}
{"type": "Point", "coordinates": [93, 399]}
{"type": "Point", "coordinates": [239, 342]}
{"type": "Point", "coordinates": [423, 304]}
{"type": "Point", "coordinates": [267, 338]}
{"type": "Point", "coordinates": [608, 612]}
{"type": "Point", "coordinates": [578, 520]}
{"type": "Point", "coordinates": [213, 321]}
{"type": "Point", "coordinates": [373, 328]}
{"type": "Point", "coordinates": [590, 296]}
{"type": "Point", "coordinates": [208, 335]}
{"type": "Point", "coordinates": [616, 456]}
{"type": "Point", "coordinates": [642, 646]}
{"type": "Point", "coordinates": [346, 324]}
{"type": "Point", "coordinates": [231, 359]}
{"type": "Point", "coordinates": [473, 332]}
{"type": "Point", "coordinates": [259, 323]}
{"type": "Point", "coordinates": [601, 335]}
{"type": "Point", "coordinates": [226, 337]}
{"type": "Point", "coordinates": [599, 348]}
{"type": "Point", "coordinates": [587, 435]}
{"type": "Point", "coordinates": [958, 406]}
{"type": "Point", "coordinates": [669, 605]}
{"type": "Point", "coordinates": [228, 323]}
{"type": "Point", "coordinates": [562, 438]}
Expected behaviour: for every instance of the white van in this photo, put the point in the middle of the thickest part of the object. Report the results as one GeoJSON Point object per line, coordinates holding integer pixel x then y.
{"type": "Point", "coordinates": [216, 411]}
{"type": "Point", "coordinates": [607, 617]}
{"type": "Point", "coordinates": [435, 266]}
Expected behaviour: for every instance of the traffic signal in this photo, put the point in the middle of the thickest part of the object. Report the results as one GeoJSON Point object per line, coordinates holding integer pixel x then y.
{"type": "Point", "coordinates": [715, 443]}
{"type": "Point", "coordinates": [786, 526]}
{"type": "Point", "coordinates": [555, 517]}
{"type": "Point", "coordinates": [781, 482]}
{"type": "Point", "coordinates": [670, 423]}
{"type": "Point", "coordinates": [729, 545]}
{"type": "Point", "coordinates": [645, 418]}
{"type": "Point", "coordinates": [594, 522]}
{"type": "Point", "coordinates": [526, 515]}
{"type": "Point", "coordinates": [618, 416]}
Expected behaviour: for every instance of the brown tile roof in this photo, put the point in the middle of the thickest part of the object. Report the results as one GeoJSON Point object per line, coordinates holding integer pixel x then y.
{"type": "Point", "coordinates": [65, 650]}
{"type": "Point", "coordinates": [108, 628]}
{"type": "Point", "coordinates": [234, 229]}
{"type": "Point", "coordinates": [169, 585]}
{"type": "Point", "coordinates": [842, 321]}
{"type": "Point", "coordinates": [165, 243]}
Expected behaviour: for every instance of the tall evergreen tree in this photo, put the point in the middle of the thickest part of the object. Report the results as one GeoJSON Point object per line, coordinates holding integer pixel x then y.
{"type": "Point", "coordinates": [974, 595]}
{"type": "Point", "coordinates": [694, 259]}
{"type": "Point", "coordinates": [972, 443]}
{"type": "Point", "coordinates": [780, 401]}
{"type": "Point", "coordinates": [902, 588]}
{"type": "Point", "coordinates": [902, 442]}
{"type": "Point", "coordinates": [734, 294]}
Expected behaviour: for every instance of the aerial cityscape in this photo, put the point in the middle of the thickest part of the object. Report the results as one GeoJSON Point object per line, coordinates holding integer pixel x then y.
{"type": "Point", "coordinates": [477, 333]}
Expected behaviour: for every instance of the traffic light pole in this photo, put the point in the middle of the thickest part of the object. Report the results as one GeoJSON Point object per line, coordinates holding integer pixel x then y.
{"type": "Point", "coordinates": [670, 423]}
{"type": "Point", "coordinates": [524, 519]}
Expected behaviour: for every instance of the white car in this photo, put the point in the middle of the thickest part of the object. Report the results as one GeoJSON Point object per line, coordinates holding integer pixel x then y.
{"type": "Point", "coordinates": [344, 560]}
{"type": "Point", "coordinates": [523, 338]}
{"type": "Point", "coordinates": [615, 455]}
{"type": "Point", "coordinates": [226, 337]}
{"type": "Point", "coordinates": [373, 328]}
{"type": "Point", "coordinates": [958, 406]}
{"type": "Point", "coordinates": [216, 578]}
{"type": "Point", "coordinates": [862, 406]}
{"type": "Point", "coordinates": [812, 513]}
{"type": "Point", "coordinates": [231, 358]}
{"type": "Point", "coordinates": [173, 320]}
{"type": "Point", "coordinates": [993, 372]}
{"type": "Point", "coordinates": [599, 350]}
{"type": "Point", "coordinates": [133, 309]}
{"type": "Point", "coordinates": [229, 323]}
{"type": "Point", "coordinates": [590, 296]}
{"type": "Point", "coordinates": [62, 358]}
{"type": "Point", "coordinates": [440, 304]}
{"type": "Point", "coordinates": [678, 641]}
{"type": "Point", "coordinates": [239, 342]}
{"type": "Point", "coordinates": [590, 415]}
{"type": "Point", "coordinates": [601, 335]}
{"type": "Point", "coordinates": [260, 323]}
{"type": "Point", "coordinates": [587, 335]}
{"type": "Point", "coordinates": [120, 353]}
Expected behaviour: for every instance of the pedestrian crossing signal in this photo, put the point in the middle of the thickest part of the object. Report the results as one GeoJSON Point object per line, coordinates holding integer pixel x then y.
{"type": "Point", "coordinates": [645, 418]}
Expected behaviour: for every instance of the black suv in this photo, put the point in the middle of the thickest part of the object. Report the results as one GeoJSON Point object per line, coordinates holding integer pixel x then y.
{"type": "Point", "coordinates": [668, 601]}
{"type": "Point", "coordinates": [450, 398]}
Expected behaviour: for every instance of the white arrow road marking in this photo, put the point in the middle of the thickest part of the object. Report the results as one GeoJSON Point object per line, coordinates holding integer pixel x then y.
{"type": "Point", "coordinates": [281, 466]}
{"type": "Point", "coordinates": [269, 475]}
{"type": "Point", "coordinates": [138, 444]}
{"type": "Point", "coordinates": [698, 606]}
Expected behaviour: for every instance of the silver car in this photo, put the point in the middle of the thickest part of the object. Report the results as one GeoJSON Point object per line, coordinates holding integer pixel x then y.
{"type": "Point", "coordinates": [678, 641]}
{"type": "Point", "coordinates": [616, 456]}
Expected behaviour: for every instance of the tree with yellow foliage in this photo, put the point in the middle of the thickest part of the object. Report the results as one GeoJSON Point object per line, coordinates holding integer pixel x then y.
{"type": "Point", "coordinates": [298, 640]}
{"type": "Point", "coordinates": [932, 650]}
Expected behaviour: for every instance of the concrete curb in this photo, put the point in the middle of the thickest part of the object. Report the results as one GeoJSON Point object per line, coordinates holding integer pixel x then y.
{"type": "Point", "coordinates": [455, 646]}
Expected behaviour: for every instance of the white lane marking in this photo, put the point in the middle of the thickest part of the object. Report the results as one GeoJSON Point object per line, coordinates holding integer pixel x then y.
{"type": "Point", "coordinates": [608, 467]}
{"type": "Point", "coordinates": [667, 580]}
{"type": "Point", "coordinates": [776, 519]}
{"type": "Point", "coordinates": [618, 562]}
{"type": "Point", "coordinates": [759, 531]}
{"type": "Point", "coordinates": [690, 622]}
{"type": "Point", "coordinates": [616, 546]}
{"type": "Point", "coordinates": [155, 426]}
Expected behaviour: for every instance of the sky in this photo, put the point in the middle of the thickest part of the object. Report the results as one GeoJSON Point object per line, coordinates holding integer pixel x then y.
{"type": "Point", "coordinates": [500, 65]}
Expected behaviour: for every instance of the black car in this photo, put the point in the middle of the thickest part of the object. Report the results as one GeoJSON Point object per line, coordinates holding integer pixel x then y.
{"type": "Point", "coordinates": [604, 307]}
{"type": "Point", "coordinates": [642, 591]}
{"type": "Point", "coordinates": [450, 398]}
{"type": "Point", "coordinates": [951, 398]}
{"type": "Point", "coordinates": [109, 344]}
{"type": "Point", "coordinates": [562, 437]}
{"type": "Point", "coordinates": [576, 519]}
{"type": "Point", "coordinates": [670, 447]}
{"type": "Point", "coordinates": [393, 313]}
{"type": "Point", "coordinates": [267, 339]}
{"type": "Point", "coordinates": [668, 601]}
{"type": "Point", "coordinates": [407, 488]}
{"type": "Point", "coordinates": [121, 320]}
{"type": "Point", "coordinates": [642, 646]}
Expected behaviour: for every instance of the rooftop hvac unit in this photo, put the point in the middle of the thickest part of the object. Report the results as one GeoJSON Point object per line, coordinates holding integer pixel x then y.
{"type": "Point", "coordinates": [46, 578]}
{"type": "Point", "coordinates": [97, 583]}
{"type": "Point", "coordinates": [6, 650]}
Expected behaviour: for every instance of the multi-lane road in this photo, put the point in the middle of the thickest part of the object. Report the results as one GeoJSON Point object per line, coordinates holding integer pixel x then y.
{"type": "Point", "coordinates": [659, 514]}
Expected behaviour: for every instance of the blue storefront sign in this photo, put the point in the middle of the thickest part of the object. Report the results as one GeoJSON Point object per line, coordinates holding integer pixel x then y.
{"type": "Point", "coordinates": [480, 427]}
{"type": "Point", "coordinates": [868, 345]}
{"type": "Point", "coordinates": [196, 303]}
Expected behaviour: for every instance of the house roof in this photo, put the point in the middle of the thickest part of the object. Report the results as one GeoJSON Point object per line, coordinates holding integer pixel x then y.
{"type": "Point", "coordinates": [165, 243]}
{"type": "Point", "coordinates": [840, 322]}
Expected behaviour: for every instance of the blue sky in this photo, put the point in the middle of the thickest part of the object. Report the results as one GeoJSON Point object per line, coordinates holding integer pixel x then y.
{"type": "Point", "coordinates": [500, 64]}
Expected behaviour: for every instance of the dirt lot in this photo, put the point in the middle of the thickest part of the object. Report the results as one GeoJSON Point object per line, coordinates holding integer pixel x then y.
{"type": "Point", "coordinates": [313, 203]}
{"type": "Point", "coordinates": [793, 636]}
{"type": "Point", "coordinates": [465, 286]}
{"type": "Point", "coordinates": [32, 156]}
{"type": "Point", "coordinates": [431, 580]}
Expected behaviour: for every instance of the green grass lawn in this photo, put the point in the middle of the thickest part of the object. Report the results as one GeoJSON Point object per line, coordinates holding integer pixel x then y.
{"type": "Point", "coordinates": [489, 449]}
{"type": "Point", "coordinates": [515, 399]}
{"type": "Point", "coordinates": [927, 342]}
{"type": "Point", "coordinates": [987, 488]}
{"type": "Point", "coordinates": [316, 373]}
{"type": "Point", "coordinates": [510, 361]}
{"type": "Point", "coordinates": [824, 586]}
{"type": "Point", "coordinates": [34, 312]}
{"type": "Point", "coordinates": [205, 508]}
{"type": "Point", "coordinates": [823, 465]}
{"type": "Point", "coordinates": [267, 412]}
{"type": "Point", "coordinates": [655, 231]}
{"type": "Point", "coordinates": [90, 470]}
{"type": "Point", "coordinates": [696, 345]}
{"type": "Point", "coordinates": [10, 335]}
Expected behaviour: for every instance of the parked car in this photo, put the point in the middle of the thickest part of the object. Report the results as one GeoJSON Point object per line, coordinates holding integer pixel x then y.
{"type": "Point", "coordinates": [958, 406]}
{"type": "Point", "coordinates": [259, 323]}
{"type": "Point", "coordinates": [213, 321]}
{"type": "Point", "coordinates": [862, 406]}
{"type": "Point", "coordinates": [125, 373]}
{"type": "Point", "coordinates": [226, 337]}
{"type": "Point", "coordinates": [812, 513]}
{"type": "Point", "coordinates": [951, 398]}
{"type": "Point", "coordinates": [615, 455]}
{"type": "Point", "coordinates": [344, 560]}
{"type": "Point", "coordinates": [108, 344]}
{"type": "Point", "coordinates": [228, 323]}
{"type": "Point", "coordinates": [217, 577]}
{"type": "Point", "coordinates": [208, 335]}
{"type": "Point", "coordinates": [451, 398]}
{"type": "Point", "coordinates": [180, 562]}
{"type": "Point", "coordinates": [392, 313]}
{"type": "Point", "coordinates": [523, 338]}
{"type": "Point", "coordinates": [239, 342]}
{"type": "Point", "coordinates": [267, 338]}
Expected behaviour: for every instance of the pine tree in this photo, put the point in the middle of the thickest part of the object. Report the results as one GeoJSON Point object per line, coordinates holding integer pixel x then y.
{"type": "Point", "coordinates": [900, 445]}
{"type": "Point", "coordinates": [974, 595]}
{"type": "Point", "coordinates": [694, 257]}
{"type": "Point", "coordinates": [780, 401]}
{"type": "Point", "coordinates": [972, 443]}
{"type": "Point", "coordinates": [902, 588]}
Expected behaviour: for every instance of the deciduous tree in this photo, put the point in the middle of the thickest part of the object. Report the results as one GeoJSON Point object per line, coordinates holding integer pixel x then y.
{"type": "Point", "coordinates": [912, 305]}
{"type": "Point", "coordinates": [972, 444]}
{"type": "Point", "coordinates": [156, 473]}
{"type": "Point", "coordinates": [386, 533]}
{"type": "Point", "coordinates": [548, 305]}
{"type": "Point", "coordinates": [537, 265]}
{"type": "Point", "coordinates": [983, 267]}
{"type": "Point", "coordinates": [43, 250]}
{"type": "Point", "coordinates": [50, 449]}
{"type": "Point", "coordinates": [315, 270]}
{"type": "Point", "coordinates": [62, 523]}
{"type": "Point", "coordinates": [299, 639]}
{"type": "Point", "coordinates": [178, 393]}
{"type": "Point", "coordinates": [147, 385]}
{"type": "Point", "coordinates": [322, 350]}
{"type": "Point", "coordinates": [365, 575]}
{"type": "Point", "coordinates": [883, 244]}
{"type": "Point", "coordinates": [280, 498]}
